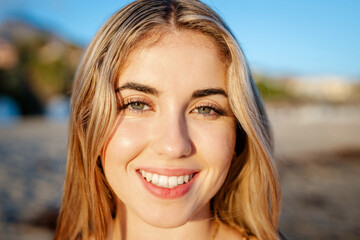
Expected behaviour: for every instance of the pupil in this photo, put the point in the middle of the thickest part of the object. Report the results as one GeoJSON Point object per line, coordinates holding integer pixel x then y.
{"type": "Point", "coordinates": [204, 110]}
{"type": "Point", "coordinates": [137, 106]}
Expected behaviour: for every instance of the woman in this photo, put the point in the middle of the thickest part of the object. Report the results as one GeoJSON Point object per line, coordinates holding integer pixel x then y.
{"type": "Point", "coordinates": [168, 135]}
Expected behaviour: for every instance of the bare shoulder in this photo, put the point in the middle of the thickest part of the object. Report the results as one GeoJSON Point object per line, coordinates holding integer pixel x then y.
{"type": "Point", "coordinates": [229, 233]}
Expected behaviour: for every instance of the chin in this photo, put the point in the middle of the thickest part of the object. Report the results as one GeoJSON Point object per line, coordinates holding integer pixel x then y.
{"type": "Point", "coordinates": [167, 224]}
{"type": "Point", "coordinates": [168, 219]}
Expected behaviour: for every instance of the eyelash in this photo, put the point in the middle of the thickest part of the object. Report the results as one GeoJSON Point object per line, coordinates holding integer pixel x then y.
{"type": "Point", "coordinates": [127, 102]}
{"type": "Point", "coordinates": [212, 107]}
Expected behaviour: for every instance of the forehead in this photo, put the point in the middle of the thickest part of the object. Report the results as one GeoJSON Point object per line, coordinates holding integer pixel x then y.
{"type": "Point", "coordinates": [174, 37]}
{"type": "Point", "coordinates": [175, 56]}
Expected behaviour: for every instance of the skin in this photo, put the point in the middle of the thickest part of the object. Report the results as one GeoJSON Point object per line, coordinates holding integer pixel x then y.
{"type": "Point", "coordinates": [170, 128]}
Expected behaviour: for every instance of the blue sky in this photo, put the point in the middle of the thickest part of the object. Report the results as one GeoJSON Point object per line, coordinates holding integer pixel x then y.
{"type": "Point", "coordinates": [307, 37]}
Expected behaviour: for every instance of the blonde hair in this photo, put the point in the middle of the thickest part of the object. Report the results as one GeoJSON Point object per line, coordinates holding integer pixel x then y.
{"type": "Point", "coordinates": [249, 200]}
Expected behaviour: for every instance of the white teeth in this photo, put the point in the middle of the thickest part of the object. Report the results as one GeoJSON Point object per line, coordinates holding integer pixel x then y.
{"type": "Point", "coordinates": [186, 178]}
{"type": "Point", "coordinates": [165, 181]}
{"type": "Point", "coordinates": [148, 176]}
{"type": "Point", "coordinates": [173, 182]}
{"type": "Point", "coordinates": [155, 179]}
{"type": "Point", "coordinates": [142, 173]}
{"type": "Point", "coordinates": [180, 180]}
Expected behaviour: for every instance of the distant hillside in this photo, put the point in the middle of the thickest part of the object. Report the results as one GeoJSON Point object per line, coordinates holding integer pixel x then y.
{"type": "Point", "coordinates": [35, 65]}
{"type": "Point", "coordinates": [305, 90]}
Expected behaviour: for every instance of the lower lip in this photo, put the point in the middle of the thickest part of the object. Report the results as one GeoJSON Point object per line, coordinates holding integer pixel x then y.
{"type": "Point", "coordinates": [168, 193]}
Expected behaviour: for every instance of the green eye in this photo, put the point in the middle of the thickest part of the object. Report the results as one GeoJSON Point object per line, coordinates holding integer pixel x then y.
{"type": "Point", "coordinates": [137, 106]}
{"type": "Point", "coordinates": [204, 110]}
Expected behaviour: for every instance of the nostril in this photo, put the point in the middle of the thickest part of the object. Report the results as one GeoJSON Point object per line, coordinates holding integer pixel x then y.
{"type": "Point", "coordinates": [173, 144]}
{"type": "Point", "coordinates": [177, 147]}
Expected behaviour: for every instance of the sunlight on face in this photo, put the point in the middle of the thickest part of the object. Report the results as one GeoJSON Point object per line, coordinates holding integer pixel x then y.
{"type": "Point", "coordinates": [175, 139]}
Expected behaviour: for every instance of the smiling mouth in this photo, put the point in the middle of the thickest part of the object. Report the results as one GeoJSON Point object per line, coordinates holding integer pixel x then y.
{"type": "Point", "coordinates": [166, 181]}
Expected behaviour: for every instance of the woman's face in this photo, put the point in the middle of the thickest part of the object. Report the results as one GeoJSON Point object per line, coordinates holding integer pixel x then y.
{"type": "Point", "coordinates": [175, 138]}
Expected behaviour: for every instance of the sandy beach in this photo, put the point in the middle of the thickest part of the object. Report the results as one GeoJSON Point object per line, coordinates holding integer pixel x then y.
{"type": "Point", "coordinates": [317, 153]}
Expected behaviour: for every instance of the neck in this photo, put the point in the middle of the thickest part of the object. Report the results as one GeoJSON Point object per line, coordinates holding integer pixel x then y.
{"type": "Point", "coordinates": [128, 226]}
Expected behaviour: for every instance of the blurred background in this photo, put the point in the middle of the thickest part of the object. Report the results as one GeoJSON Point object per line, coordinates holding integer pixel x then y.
{"type": "Point", "coordinates": [305, 58]}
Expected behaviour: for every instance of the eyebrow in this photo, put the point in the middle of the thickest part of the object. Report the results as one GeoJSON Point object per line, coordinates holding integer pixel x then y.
{"type": "Point", "coordinates": [150, 90]}
{"type": "Point", "coordinates": [207, 92]}
{"type": "Point", "coordinates": [139, 87]}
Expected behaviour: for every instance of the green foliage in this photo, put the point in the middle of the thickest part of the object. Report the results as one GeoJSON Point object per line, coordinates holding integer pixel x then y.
{"type": "Point", "coordinates": [272, 89]}
{"type": "Point", "coordinates": [45, 68]}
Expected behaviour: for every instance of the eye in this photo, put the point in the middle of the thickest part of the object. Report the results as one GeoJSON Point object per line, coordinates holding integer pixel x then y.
{"type": "Point", "coordinates": [204, 110]}
{"type": "Point", "coordinates": [135, 105]}
{"type": "Point", "coordinates": [208, 110]}
{"type": "Point", "coordinates": [139, 106]}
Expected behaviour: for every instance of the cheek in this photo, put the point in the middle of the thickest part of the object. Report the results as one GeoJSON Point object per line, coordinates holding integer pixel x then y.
{"type": "Point", "coordinates": [216, 144]}
{"type": "Point", "coordinates": [127, 142]}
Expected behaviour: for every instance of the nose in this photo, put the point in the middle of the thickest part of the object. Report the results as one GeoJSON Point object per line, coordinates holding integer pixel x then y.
{"type": "Point", "coordinates": [172, 137]}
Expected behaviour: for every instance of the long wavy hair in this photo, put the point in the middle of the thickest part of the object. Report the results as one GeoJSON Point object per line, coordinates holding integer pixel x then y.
{"type": "Point", "coordinates": [249, 199]}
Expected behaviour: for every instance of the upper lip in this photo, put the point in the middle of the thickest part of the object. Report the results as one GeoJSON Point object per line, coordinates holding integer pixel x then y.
{"type": "Point", "coordinates": [169, 171]}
